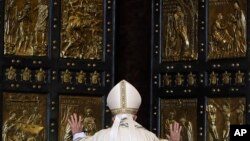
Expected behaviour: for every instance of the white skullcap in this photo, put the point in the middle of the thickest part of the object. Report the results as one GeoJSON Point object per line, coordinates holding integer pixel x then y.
{"type": "Point", "coordinates": [123, 98]}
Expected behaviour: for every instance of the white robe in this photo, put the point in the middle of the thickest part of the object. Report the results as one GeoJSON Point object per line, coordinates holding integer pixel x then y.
{"type": "Point", "coordinates": [140, 134]}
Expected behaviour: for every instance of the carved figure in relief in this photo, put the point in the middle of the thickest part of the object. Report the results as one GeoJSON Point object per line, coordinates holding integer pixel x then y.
{"type": "Point", "coordinates": [22, 121]}
{"type": "Point", "coordinates": [169, 120]}
{"type": "Point", "coordinates": [225, 110]}
{"type": "Point", "coordinates": [226, 114]}
{"type": "Point", "coordinates": [239, 78]}
{"type": "Point", "coordinates": [187, 129]}
{"type": "Point", "coordinates": [72, 32]}
{"type": "Point", "coordinates": [95, 78]}
{"type": "Point", "coordinates": [239, 29]}
{"type": "Point", "coordinates": [67, 109]}
{"type": "Point", "coordinates": [89, 125]}
{"type": "Point", "coordinates": [41, 23]}
{"type": "Point", "coordinates": [67, 135]}
{"type": "Point", "coordinates": [212, 128]}
{"type": "Point", "coordinates": [167, 80]}
{"type": "Point", "coordinates": [182, 42]}
{"type": "Point", "coordinates": [220, 35]}
{"type": "Point", "coordinates": [23, 118]}
{"type": "Point", "coordinates": [240, 110]}
{"type": "Point", "coordinates": [170, 48]}
{"type": "Point", "coordinates": [24, 18]}
{"type": "Point", "coordinates": [180, 30]}
{"type": "Point", "coordinates": [35, 118]}
{"type": "Point", "coordinates": [213, 78]}
{"type": "Point", "coordinates": [35, 121]}
{"type": "Point", "coordinates": [11, 73]}
{"type": "Point", "coordinates": [10, 24]}
{"type": "Point", "coordinates": [9, 127]}
{"type": "Point", "coordinates": [226, 78]}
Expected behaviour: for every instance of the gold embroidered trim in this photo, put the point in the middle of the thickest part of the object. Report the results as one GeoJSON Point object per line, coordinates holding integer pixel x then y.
{"type": "Point", "coordinates": [123, 95]}
{"type": "Point", "coordinates": [124, 110]}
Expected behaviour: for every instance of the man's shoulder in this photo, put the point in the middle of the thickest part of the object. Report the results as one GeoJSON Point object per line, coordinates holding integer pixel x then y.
{"type": "Point", "coordinates": [147, 132]}
{"type": "Point", "coordinates": [103, 131]}
{"type": "Point", "coordinates": [152, 135]}
{"type": "Point", "coordinates": [140, 131]}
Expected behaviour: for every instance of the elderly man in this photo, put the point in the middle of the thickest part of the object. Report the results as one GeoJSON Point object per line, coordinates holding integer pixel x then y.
{"type": "Point", "coordinates": [123, 101]}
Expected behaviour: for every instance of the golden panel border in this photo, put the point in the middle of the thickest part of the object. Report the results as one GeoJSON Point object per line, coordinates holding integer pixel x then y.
{"type": "Point", "coordinates": [24, 116]}
{"type": "Point", "coordinates": [183, 111]}
{"type": "Point", "coordinates": [90, 108]}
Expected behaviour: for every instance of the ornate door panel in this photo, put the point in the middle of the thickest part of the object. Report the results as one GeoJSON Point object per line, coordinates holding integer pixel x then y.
{"type": "Point", "coordinates": [200, 73]}
{"type": "Point", "coordinates": [57, 58]}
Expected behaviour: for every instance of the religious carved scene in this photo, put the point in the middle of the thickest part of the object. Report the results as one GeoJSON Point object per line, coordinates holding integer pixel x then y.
{"type": "Point", "coordinates": [82, 29]}
{"type": "Point", "coordinates": [24, 117]}
{"type": "Point", "coordinates": [90, 108]}
{"type": "Point", "coordinates": [221, 113]}
{"type": "Point", "coordinates": [26, 27]}
{"type": "Point", "coordinates": [180, 30]}
{"type": "Point", "coordinates": [183, 111]}
{"type": "Point", "coordinates": [236, 78]}
{"type": "Point", "coordinates": [227, 29]}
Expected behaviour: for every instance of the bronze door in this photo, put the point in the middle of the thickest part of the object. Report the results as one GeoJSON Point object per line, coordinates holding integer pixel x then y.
{"type": "Point", "coordinates": [200, 73]}
{"type": "Point", "coordinates": [57, 58]}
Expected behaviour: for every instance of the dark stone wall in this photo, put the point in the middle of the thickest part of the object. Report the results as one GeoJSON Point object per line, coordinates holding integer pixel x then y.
{"type": "Point", "coordinates": [133, 19]}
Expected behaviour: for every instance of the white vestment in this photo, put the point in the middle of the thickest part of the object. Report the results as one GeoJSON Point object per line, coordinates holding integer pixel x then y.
{"type": "Point", "coordinates": [123, 101]}
{"type": "Point", "coordinates": [139, 134]}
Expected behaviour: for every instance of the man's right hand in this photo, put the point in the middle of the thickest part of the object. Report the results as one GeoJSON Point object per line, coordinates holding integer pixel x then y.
{"type": "Point", "coordinates": [75, 124]}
